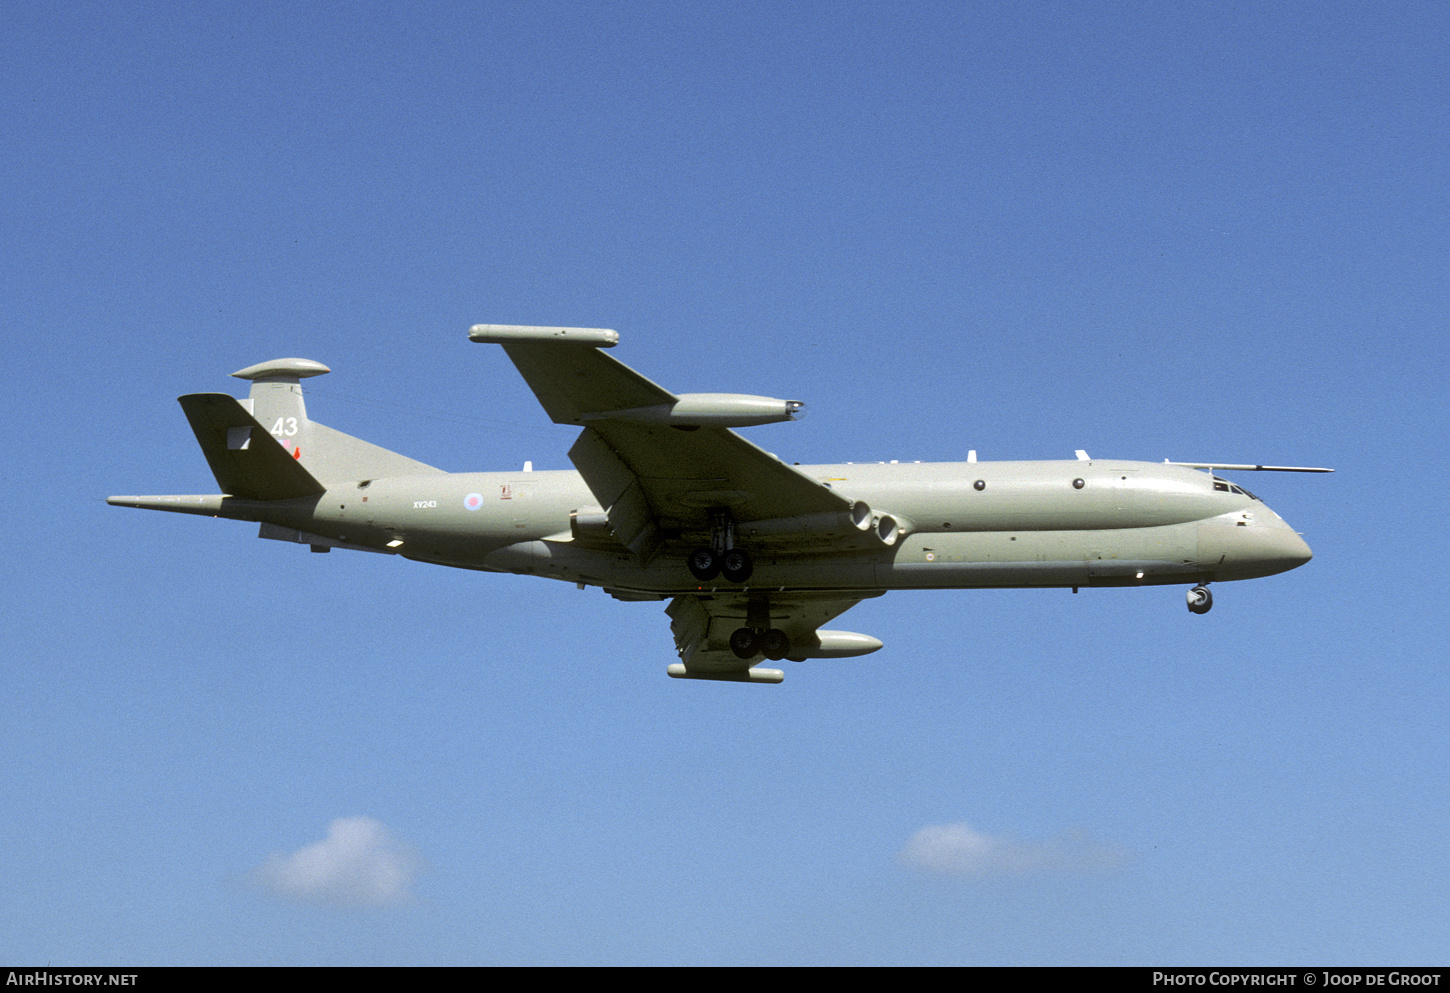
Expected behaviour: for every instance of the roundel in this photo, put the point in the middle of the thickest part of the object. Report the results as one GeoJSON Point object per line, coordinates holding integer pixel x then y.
{"type": "Point", "coordinates": [473, 501]}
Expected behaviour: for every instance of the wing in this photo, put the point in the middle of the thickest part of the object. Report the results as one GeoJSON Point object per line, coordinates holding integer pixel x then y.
{"type": "Point", "coordinates": [658, 463]}
{"type": "Point", "coordinates": [703, 624]}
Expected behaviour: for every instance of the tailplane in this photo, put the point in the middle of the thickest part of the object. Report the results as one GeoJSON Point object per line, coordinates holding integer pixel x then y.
{"type": "Point", "coordinates": [264, 448]}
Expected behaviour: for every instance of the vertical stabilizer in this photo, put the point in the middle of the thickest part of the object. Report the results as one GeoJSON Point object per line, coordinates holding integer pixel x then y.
{"type": "Point", "coordinates": [276, 397]}
{"type": "Point", "coordinates": [247, 462]}
{"type": "Point", "coordinates": [330, 455]}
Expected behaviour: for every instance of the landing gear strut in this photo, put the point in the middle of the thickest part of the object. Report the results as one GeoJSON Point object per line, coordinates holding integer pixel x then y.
{"type": "Point", "coordinates": [721, 556]}
{"type": "Point", "coordinates": [1200, 600]}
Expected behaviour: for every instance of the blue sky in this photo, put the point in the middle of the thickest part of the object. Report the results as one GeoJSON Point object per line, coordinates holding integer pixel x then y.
{"type": "Point", "coordinates": [1202, 231]}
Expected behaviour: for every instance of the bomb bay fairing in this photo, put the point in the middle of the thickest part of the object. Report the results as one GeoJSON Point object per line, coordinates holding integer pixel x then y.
{"type": "Point", "coordinates": [668, 503]}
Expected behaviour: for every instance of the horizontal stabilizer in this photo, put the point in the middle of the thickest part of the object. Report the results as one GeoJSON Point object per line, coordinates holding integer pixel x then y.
{"type": "Point", "coordinates": [246, 460]}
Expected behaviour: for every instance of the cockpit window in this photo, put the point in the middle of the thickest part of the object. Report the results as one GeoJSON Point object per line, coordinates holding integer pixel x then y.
{"type": "Point", "coordinates": [1224, 486]}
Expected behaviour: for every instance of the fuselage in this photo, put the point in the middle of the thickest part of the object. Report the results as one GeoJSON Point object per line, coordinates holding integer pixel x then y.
{"type": "Point", "coordinates": [958, 526]}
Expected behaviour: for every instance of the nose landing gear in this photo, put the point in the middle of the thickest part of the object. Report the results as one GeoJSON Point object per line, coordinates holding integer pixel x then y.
{"type": "Point", "coordinates": [1200, 600]}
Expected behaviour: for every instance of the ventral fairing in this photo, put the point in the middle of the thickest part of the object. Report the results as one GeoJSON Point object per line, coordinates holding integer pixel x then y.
{"type": "Point", "coordinates": [752, 555]}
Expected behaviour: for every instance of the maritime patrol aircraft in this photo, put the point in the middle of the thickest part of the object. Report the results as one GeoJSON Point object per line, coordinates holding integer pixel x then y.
{"type": "Point", "coordinates": [668, 502]}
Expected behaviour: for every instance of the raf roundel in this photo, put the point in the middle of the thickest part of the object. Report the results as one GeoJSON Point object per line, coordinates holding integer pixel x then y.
{"type": "Point", "coordinates": [473, 501]}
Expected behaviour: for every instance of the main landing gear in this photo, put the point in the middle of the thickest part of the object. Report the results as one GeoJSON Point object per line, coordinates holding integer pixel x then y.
{"type": "Point", "coordinates": [721, 556]}
{"type": "Point", "coordinates": [1200, 600]}
{"type": "Point", "coordinates": [757, 637]}
{"type": "Point", "coordinates": [747, 643]}
{"type": "Point", "coordinates": [735, 565]}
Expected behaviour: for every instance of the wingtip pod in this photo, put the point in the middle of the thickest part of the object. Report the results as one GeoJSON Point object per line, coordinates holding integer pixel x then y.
{"type": "Point", "coordinates": [839, 645]}
{"type": "Point", "coordinates": [705, 410]}
{"type": "Point", "coordinates": [678, 671]}
{"type": "Point", "coordinates": [510, 334]}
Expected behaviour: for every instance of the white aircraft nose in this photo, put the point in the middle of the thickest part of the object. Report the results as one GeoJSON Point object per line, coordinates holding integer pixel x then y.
{"type": "Point", "coordinates": [1251, 549]}
{"type": "Point", "coordinates": [1274, 549]}
{"type": "Point", "coordinates": [1287, 547]}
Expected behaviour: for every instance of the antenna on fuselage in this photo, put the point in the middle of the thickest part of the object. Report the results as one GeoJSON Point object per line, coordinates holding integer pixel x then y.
{"type": "Point", "coordinates": [1210, 466]}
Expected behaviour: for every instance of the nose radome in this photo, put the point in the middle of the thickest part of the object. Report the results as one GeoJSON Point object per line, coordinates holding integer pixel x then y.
{"type": "Point", "coordinates": [1247, 549]}
{"type": "Point", "coordinates": [1279, 543]}
{"type": "Point", "coordinates": [1299, 550]}
{"type": "Point", "coordinates": [1280, 548]}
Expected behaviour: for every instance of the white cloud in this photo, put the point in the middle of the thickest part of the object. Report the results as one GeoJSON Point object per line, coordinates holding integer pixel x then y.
{"type": "Point", "coordinates": [359, 864]}
{"type": "Point", "coordinates": [959, 850]}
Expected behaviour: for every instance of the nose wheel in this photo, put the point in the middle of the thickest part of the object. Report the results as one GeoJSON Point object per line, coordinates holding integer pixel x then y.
{"type": "Point", "coordinates": [1200, 600]}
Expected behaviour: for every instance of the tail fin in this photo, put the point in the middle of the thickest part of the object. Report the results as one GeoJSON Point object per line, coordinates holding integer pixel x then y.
{"type": "Point", "coordinates": [246, 460]}
{"type": "Point", "coordinates": [276, 405]}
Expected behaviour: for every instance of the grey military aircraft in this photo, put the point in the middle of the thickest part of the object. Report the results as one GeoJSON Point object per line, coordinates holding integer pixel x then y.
{"type": "Point", "coordinates": [669, 503]}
